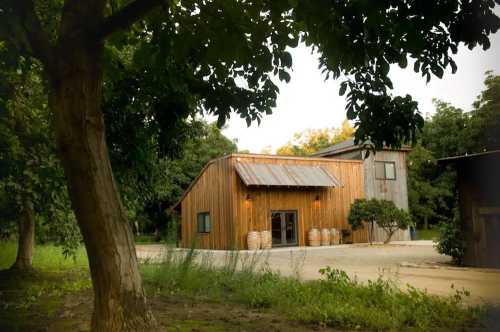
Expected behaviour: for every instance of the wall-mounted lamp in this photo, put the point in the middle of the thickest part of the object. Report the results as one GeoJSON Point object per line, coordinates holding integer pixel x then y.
{"type": "Point", "coordinates": [248, 200]}
{"type": "Point", "coordinates": [316, 201]}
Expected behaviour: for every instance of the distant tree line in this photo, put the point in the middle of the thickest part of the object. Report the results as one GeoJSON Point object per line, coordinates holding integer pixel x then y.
{"type": "Point", "coordinates": [313, 140]}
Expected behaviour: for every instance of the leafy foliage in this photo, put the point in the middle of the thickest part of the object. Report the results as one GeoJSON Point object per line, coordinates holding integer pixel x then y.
{"type": "Point", "coordinates": [382, 212]}
{"type": "Point", "coordinates": [29, 168]}
{"type": "Point", "coordinates": [451, 240]}
{"type": "Point", "coordinates": [221, 57]}
{"type": "Point", "coordinates": [485, 119]}
{"type": "Point", "coordinates": [311, 141]}
{"type": "Point", "coordinates": [431, 194]}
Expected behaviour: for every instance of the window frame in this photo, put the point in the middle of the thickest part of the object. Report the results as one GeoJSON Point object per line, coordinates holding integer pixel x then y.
{"type": "Point", "coordinates": [384, 163]}
{"type": "Point", "coordinates": [203, 229]}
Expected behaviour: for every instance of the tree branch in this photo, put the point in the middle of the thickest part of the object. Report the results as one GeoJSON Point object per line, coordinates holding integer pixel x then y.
{"type": "Point", "coordinates": [38, 41]}
{"type": "Point", "coordinates": [127, 16]}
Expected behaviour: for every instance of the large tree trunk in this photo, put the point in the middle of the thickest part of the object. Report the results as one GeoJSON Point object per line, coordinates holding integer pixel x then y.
{"type": "Point", "coordinates": [119, 299]}
{"type": "Point", "coordinates": [26, 242]}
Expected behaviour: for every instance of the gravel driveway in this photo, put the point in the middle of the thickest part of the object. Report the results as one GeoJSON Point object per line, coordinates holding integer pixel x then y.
{"type": "Point", "coordinates": [416, 263]}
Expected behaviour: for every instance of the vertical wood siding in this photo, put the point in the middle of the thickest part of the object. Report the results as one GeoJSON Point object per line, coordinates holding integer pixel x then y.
{"type": "Point", "coordinates": [392, 190]}
{"type": "Point", "coordinates": [220, 191]}
{"type": "Point", "coordinates": [211, 193]}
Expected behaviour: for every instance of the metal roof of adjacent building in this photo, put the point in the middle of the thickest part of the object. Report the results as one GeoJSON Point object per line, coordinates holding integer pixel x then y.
{"type": "Point", "coordinates": [467, 156]}
{"type": "Point", "coordinates": [285, 175]}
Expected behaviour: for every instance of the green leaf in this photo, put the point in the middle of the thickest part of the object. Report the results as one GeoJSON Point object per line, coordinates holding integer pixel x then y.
{"type": "Point", "coordinates": [343, 88]}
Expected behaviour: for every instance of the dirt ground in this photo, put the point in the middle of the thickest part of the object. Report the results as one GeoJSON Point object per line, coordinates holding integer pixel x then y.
{"type": "Point", "coordinates": [415, 263]}
{"type": "Point", "coordinates": [72, 312]}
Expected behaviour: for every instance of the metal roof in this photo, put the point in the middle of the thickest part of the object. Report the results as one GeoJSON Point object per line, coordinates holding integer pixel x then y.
{"type": "Point", "coordinates": [285, 175]}
{"type": "Point", "coordinates": [467, 156]}
{"type": "Point", "coordinates": [349, 145]}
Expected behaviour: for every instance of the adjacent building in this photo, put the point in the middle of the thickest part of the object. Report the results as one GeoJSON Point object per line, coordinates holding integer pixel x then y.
{"type": "Point", "coordinates": [478, 177]}
{"type": "Point", "coordinates": [384, 172]}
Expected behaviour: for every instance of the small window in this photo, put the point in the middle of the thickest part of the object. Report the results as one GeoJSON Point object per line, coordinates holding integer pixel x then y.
{"type": "Point", "coordinates": [204, 222]}
{"type": "Point", "coordinates": [385, 170]}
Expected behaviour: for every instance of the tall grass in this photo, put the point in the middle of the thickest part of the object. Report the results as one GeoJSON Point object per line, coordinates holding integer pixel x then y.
{"type": "Point", "coordinates": [336, 300]}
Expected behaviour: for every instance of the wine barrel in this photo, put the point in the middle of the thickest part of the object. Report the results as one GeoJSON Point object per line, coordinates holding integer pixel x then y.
{"type": "Point", "coordinates": [334, 236]}
{"type": "Point", "coordinates": [253, 240]}
{"type": "Point", "coordinates": [325, 237]}
{"type": "Point", "coordinates": [314, 237]}
{"type": "Point", "coordinates": [266, 241]}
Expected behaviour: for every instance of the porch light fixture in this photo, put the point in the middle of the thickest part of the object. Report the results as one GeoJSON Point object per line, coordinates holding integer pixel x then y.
{"type": "Point", "coordinates": [316, 201]}
{"type": "Point", "coordinates": [248, 200]}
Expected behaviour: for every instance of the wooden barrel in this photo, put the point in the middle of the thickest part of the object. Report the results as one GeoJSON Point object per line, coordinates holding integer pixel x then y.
{"type": "Point", "coordinates": [253, 240]}
{"type": "Point", "coordinates": [314, 237]}
{"type": "Point", "coordinates": [334, 236]}
{"type": "Point", "coordinates": [325, 237]}
{"type": "Point", "coordinates": [266, 241]}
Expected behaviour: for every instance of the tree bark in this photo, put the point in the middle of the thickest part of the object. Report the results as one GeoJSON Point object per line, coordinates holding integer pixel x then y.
{"type": "Point", "coordinates": [389, 236]}
{"type": "Point", "coordinates": [76, 92]}
{"type": "Point", "coordinates": [26, 243]}
{"type": "Point", "coordinates": [370, 233]}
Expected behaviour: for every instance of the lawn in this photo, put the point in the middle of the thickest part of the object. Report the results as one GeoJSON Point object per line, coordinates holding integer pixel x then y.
{"type": "Point", "coordinates": [428, 234]}
{"type": "Point", "coordinates": [191, 293]}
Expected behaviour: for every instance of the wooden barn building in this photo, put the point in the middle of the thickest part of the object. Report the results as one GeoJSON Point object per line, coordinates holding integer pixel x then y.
{"type": "Point", "coordinates": [478, 177]}
{"type": "Point", "coordinates": [385, 176]}
{"type": "Point", "coordinates": [240, 193]}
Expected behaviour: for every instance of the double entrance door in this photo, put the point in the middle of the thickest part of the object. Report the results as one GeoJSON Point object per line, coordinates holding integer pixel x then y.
{"type": "Point", "coordinates": [284, 228]}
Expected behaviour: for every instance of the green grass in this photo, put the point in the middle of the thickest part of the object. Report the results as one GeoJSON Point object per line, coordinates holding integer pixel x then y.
{"type": "Point", "coordinates": [336, 300]}
{"type": "Point", "coordinates": [428, 234]}
{"type": "Point", "coordinates": [145, 239]}
{"type": "Point", "coordinates": [46, 257]}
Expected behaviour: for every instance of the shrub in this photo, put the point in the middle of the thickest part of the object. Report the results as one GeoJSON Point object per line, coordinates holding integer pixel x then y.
{"type": "Point", "coordinates": [451, 241]}
{"type": "Point", "coordinates": [387, 216]}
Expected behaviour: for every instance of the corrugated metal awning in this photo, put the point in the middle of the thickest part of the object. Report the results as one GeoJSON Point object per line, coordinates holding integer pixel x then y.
{"type": "Point", "coordinates": [285, 175]}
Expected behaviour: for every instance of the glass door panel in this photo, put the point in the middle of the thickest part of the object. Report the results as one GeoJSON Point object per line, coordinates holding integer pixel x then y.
{"type": "Point", "coordinates": [276, 228]}
{"type": "Point", "coordinates": [290, 228]}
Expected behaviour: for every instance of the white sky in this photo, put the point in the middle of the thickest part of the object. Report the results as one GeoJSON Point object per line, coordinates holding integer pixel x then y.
{"type": "Point", "coordinates": [310, 102]}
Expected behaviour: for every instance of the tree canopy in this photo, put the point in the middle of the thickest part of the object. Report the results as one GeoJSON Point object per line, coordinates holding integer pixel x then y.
{"type": "Point", "coordinates": [31, 177]}
{"type": "Point", "coordinates": [382, 212]}
{"type": "Point", "coordinates": [227, 53]}
{"type": "Point", "coordinates": [311, 141]}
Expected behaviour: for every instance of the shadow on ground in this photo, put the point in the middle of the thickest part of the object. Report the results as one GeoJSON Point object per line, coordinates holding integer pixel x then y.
{"type": "Point", "coordinates": [37, 302]}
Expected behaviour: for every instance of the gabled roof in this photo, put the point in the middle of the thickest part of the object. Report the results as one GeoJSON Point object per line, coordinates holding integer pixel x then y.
{"type": "Point", "coordinates": [263, 156]}
{"type": "Point", "coordinates": [348, 145]}
{"type": "Point", "coordinates": [276, 175]}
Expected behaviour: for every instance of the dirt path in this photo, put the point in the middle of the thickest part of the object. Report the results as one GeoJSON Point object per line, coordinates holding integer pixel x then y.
{"type": "Point", "coordinates": [417, 265]}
